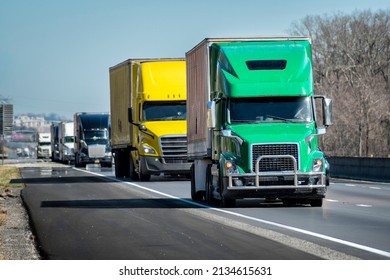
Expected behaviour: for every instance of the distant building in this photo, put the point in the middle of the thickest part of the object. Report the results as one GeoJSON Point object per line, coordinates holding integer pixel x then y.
{"type": "Point", "coordinates": [6, 118]}
{"type": "Point", "coordinates": [39, 124]}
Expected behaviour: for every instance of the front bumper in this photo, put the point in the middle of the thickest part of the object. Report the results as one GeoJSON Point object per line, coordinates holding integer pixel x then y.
{"type": "Point", "coordinates": [277, 184]}
{"type": "Point", "coordinates": [158, 165]}
{"type": "Point", "coordinates": [43, 154]}
{"type": "Point", "coordinates": [68, 157]}
{"type": "Point", "coordinates": [106, 160]}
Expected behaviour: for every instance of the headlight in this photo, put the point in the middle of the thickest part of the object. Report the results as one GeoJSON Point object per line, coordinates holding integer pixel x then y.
{"type": "Point", "coordinates": [231, 168]}
{"type": "Point", "coordinates": [317, 165]}
{"type": "Point", "coordinates": [148, 150]}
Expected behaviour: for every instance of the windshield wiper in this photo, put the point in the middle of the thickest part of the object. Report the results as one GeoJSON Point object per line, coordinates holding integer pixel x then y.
{"type": "Point", "coordinates": [278, 118]}
{"type": "Point", "coordinates": [242, 121]}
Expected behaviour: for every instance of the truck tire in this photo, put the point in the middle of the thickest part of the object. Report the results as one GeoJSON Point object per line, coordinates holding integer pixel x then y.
{"type": "Point", "coordinates": [195, 196]}
{"type": "Point", "coordinates": [132, 174]}
{"type": "Point", "coordinates": [209, 188]}
{"type": "Point", "coordinates": [317, 202]}
{"type": "Point", "coordinates": [228, 202]}
{"type": "Point", "coordinates": [118, 165]}
{"type": "Point", "coordinates": [76, 160]}
{"type": "Point", "coordinates": [225, 202]}
{"type": "Point", "coordinates": [289, 201]}
{"type": "Point", "coordinates": [142, 175]}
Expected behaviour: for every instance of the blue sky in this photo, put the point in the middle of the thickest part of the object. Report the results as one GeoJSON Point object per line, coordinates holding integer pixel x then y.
{"type": "Point", "coordinates": [55, 55]}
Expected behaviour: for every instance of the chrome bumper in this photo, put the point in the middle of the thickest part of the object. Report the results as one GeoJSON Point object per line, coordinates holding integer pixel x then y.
{"type": "Point", "coordinates": [269, 180]}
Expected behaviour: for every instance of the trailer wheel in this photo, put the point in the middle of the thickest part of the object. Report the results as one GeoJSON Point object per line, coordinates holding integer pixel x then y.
{"type": "Point", "coordinates": [196, 196]}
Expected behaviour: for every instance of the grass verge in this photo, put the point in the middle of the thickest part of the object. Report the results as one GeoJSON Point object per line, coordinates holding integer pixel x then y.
{"type": "Point", "coordinates": [7, 175]}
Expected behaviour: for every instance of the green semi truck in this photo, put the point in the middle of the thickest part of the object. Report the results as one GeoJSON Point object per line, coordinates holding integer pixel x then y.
{"type": "Point", "coordinates": [253, 121]}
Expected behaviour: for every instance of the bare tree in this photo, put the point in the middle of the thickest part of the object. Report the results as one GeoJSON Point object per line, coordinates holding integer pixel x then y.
{"type": "Point", "coordinates": [351, 58]}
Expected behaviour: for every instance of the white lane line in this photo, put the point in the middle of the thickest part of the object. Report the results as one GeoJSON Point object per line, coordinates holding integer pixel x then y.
{"type": "Point", "coordinates": [331, 200]}
{"type": "Point", "coordinates": [364, 205]}
{"type": "Point", "coordinates": [303, 231]}
{"type": "Point", "coordinates": [375, 188]}
{"type": "Point", "coordinates": [350, 185]}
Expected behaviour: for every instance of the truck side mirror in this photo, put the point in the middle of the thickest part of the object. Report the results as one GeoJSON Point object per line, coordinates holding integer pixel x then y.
{"type": "Point", "coordinates": [211, 116]}
{"type": "Point", "coordinates": [327, 108]}
{"type": "Point", "coordinates": [130, 114]}
{"type": "Point", "coordinates": [83, 143]}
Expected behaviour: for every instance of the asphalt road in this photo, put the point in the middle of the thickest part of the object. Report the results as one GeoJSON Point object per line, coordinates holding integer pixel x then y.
{"type": "Point", "coordinates": [79, 214]}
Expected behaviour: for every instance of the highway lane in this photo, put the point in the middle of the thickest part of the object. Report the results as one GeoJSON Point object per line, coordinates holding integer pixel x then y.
{"type": "Point", "coordinates": [347, 223]}
{"type": "Point", "coordinates": [80, 216]}
{"type": "Point", "coordinates": [354, 219]}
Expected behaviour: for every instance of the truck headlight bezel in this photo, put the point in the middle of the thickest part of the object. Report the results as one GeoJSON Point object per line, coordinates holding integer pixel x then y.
{"type": "Point", "coordinates": [317, 165]}
{"type": "Point", "coordinates": [231, 167]}
{"type": "Point", "coordinates": [148, 150]}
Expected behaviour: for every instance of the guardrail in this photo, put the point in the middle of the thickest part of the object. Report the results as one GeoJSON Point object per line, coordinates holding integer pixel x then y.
{"type": "Point", "coordinates": [372, 169]}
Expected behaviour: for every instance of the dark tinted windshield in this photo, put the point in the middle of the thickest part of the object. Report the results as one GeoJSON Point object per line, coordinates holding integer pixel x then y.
{"type": "Point", "coordinates": [94, 121]}
{"type": "Point", "coordinates": [157, 111]}
{"type": "Point", "coordinates": [69, 139]}
{"type": "Point", "coordinates": [96, 136]}
{"type": "Point", "coordinates": [271, 109]}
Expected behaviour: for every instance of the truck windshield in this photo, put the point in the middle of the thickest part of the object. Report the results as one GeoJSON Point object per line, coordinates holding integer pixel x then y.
{"type": "Point", "coordinates": [270, 109]}
{"type": "Point", "coordinates": [159, 111]}
{"type": "Point", "coordinates": [96, 136]}
{"type": "Point", "coordinates": [69, 139]}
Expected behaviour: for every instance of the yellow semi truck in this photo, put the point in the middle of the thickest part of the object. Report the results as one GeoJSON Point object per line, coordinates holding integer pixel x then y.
{"type": "Point", "coordinates": [148, 118]}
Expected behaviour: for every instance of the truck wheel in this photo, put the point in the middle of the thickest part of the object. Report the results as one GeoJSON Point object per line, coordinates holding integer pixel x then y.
{"type": "Point", "coordinates": [225, 202]}
{"type": "Point", "coordinates": [118, 165]}
{"type": "Point", "coordinates": [316, 202]}
{"type": "Point", "coordinates": [196, 196]}
{"type": "Point", "coordinates": [142, 176]}
{"type": "Point", "coordinates": [289, 201]}
{"type": "Point", "coordinates": [76, 160]}
{"type": "Point", "coordinates": [132, 174]}
{"type": "Point", "coordinates": [209, 188]}
{"type": "Point", "coordinates": [228, 202]}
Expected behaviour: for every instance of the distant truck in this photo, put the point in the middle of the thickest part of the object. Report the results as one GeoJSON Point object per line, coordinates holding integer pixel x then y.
{"type": "Point", "coordinates": [54, 140]}
{"type": "Point", "coordinates": [44, 145]}
{"type": "Point", "coordinates": [252, 121]}
{"type": "Point", "coordinates": [92, 139]}
{"type": "Point", "coordinates": [66, 142]}
{"type": "Point", "coordinates": [148, 111]}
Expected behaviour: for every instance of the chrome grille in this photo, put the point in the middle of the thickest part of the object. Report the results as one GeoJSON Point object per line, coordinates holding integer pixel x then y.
{"type": "Point", "coordinates": [174, 147]}
{"type": "Point", "coordinates": [275, 164]}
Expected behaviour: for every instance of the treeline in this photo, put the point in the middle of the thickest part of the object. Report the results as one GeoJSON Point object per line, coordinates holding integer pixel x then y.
{"type": "Point", "coordinates": [351, 59]}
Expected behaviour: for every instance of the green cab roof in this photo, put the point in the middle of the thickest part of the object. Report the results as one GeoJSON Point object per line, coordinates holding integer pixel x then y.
{"type": "Point", "coordinates": [263, 68]}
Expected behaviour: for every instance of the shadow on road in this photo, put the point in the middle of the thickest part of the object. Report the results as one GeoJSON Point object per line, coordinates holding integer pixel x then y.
{"type": "Point", "coordinates": [119, 203]}
{"type": "Point", "coordinates": [159, 203]}
{"type": "Point", "coordinates": [61, 180]}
